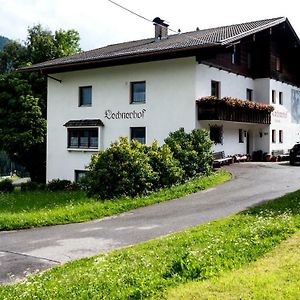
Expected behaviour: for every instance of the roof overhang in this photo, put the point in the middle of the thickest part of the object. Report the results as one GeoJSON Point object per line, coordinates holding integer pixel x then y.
{"type": "Point", "coordinates": [84, 123]}
{"type": "Point", "coordinates": [149, 50]}
{"type": "Point", "coordinates": [118, 60]}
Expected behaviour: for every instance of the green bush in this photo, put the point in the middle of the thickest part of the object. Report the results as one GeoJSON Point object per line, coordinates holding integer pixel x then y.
{"type": "Point", "coordinates": [192, 150]}
{"type": "Point", "coordinates": [32, 186]}
{"type": "Point", "coordinates": [73, 186]}
{"type": "Point", "coordinates": [6, 186]}
{"type": "Point", "coordinates": [123, 169]}
{"type": "Point", "coordinates": [130, 168]}
{"type": "Point", "coordinates": [61, 185]}
{"type": "Point", "coordinates": [167, 169]}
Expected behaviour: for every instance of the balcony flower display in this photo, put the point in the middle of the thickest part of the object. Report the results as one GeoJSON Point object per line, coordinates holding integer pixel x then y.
{"type": "Point", "coordinates": [210, 101]}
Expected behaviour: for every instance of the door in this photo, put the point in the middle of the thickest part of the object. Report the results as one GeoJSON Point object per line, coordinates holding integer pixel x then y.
{"type": "Point", "coordinates": [248, 143]}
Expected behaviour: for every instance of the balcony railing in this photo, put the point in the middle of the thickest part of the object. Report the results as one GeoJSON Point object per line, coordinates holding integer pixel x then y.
{"type": "Point", "coordinates": [235, 110]}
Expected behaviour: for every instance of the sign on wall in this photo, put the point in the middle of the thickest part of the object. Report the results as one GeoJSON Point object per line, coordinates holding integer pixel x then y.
{"type": "Point", "coordinates": [111, 115]}
{"type": "Point", "coordinates": [295, 101]}
{"type": "Point", "coordinates": [279, 116]}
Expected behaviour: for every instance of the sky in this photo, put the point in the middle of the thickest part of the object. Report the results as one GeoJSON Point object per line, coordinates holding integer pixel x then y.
{"type": "Point", "coordinates": [100, 22]}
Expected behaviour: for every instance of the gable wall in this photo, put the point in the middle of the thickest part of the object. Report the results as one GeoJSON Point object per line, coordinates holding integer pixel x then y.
{"type": "Point", "coordinates": [170, 104]}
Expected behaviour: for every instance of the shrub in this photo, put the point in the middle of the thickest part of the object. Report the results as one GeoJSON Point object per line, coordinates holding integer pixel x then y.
{"type": "Point", "coordinates": [192, 150]}
{"type": "Point", "coordinates": [203, 146]}
{"type": "Point", "coordinates": [73, 186]}
{"type": "Point", "coordinates": [167, 169]}
{"type": "Point", "coordinates": [123, 169]}
{"type": "Point", "coordinates": [130, 168]}
{"type": "Point", "coordinates": [59, 185]}
{"type": "Point", "coordinates": [32, 186]}
{"type": "Point", "coordinates": [6, 186]}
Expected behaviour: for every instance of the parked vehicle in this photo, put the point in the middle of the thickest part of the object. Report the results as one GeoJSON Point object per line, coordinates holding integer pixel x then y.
{"type": "Point", "coordinates": [295, 154]}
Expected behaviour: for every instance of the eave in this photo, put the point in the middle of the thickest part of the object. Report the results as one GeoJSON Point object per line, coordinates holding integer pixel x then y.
{"type": "Point", "coordinates": [119, 60]}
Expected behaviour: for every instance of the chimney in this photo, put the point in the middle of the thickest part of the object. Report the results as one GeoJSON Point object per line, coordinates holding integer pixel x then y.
{"type": "Point", "coordinates": [161, 29]}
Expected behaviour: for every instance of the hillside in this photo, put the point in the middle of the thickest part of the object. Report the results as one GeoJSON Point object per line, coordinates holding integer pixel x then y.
{"type": "Point", "coordinates": [3, 41]}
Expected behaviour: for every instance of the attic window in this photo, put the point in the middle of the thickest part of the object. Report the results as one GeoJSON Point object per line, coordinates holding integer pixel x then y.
{"type": "Point", "coordinates": [249, 60]}
{"type": "Point", "coordinates": [278, 65]}
{"type": "Point", "coordinates": [236, 55]}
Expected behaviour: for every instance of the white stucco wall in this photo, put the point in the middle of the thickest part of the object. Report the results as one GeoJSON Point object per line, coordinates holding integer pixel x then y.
{"type": "Point", "coordinates": [231, 84]}
{"type": "Point", "coordinates": [171, 89]}
{"type": "Point", "coordinates": [231, 144]}
{"type": "Point", "coordinates": [234, 85]}
{"type": "Point", "coordinates": [282, 117]}
{"type": "Point", "coordinates": [170, 104]}
{"type": "Point", "coordinates": [260, 135]}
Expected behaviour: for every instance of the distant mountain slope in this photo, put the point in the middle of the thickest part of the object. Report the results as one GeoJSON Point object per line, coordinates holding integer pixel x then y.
{"type": "Point", "coordinates": [3, 41]}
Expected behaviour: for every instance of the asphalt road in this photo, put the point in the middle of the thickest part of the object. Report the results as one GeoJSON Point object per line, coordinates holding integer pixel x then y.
{"type": "Point", "coordinates": [28, 251]}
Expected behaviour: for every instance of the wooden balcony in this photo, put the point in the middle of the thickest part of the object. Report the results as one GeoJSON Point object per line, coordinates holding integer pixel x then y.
{"type": "Point", "coordinates": [219, 110]}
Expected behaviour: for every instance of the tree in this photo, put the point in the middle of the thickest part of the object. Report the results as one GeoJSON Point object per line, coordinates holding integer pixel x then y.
{"type": "Point", "coordinates": [42, 45]}
{"type": "Point", "coordinates": [22, 127]}
{"type": "Point", "coordinates": [23, 96]}
{"type": "Point", "coordinates": [3, 40]}
{"type": "Point", "coordinates": [12, 56]}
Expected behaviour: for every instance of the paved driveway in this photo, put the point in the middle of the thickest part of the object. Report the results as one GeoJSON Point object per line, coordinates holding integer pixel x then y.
{"type": "Point", "coordinates": [26, 251]}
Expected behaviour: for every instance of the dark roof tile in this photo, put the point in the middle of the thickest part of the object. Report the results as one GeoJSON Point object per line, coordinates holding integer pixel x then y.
{"type": "Point", "coordinates": [198, 39]}
{"type": "Point", "coordinates": [84, 123]}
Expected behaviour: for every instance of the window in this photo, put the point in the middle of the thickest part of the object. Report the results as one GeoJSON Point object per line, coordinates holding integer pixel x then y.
{"type": "Point", "coordinates": [79, 174]}
{"type": "Point", "coordinates": [138, 92]}
{"type": "Point", "coordinates": [273, 96]}
{"type": "Point", "coordinates": [280, 96]}
{"type": "Point", "coordinates": [249, 60]}
{"type": "Point", "coordinates": [241, 136]}
{"type": "Point", "coordinates": [85, 96]}
{"type": "Point", "coordinates": [216, 134]}
{"type": "Point", "coordinates": [139, 134]}
{"type": "Point", "coordinates": [278, 65]}
{"type": "Point", "coordinates": [273, 136]}
{"type": "Point", "coordinates": [280, 136]}
{"type": "Point", "coordinates": [249, 94]}
{"type": "Point", "coordinates": [215, 89]}
{"type": "Point", "coordinates": [236, 55]}
{"type": "Point", "coordinates": [83, 138]}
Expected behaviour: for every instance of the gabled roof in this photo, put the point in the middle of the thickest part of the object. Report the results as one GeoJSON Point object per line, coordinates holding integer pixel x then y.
{"type": "Point", "coordinates": [150, 47]}
{"type": "Point", "coordinates": [84, 123]}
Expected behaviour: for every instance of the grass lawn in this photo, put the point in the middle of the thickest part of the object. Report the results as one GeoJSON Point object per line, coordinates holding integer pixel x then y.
{"type": "Point", "coordinates": [275, 276]}
{"type": "Point", "coordinates": [149, 269]}
{"type": "Point", "coordinates": [32, 209]}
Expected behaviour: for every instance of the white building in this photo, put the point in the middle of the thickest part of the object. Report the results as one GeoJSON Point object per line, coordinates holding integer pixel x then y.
{"type": "Point", "coordinates": [146, 89]}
